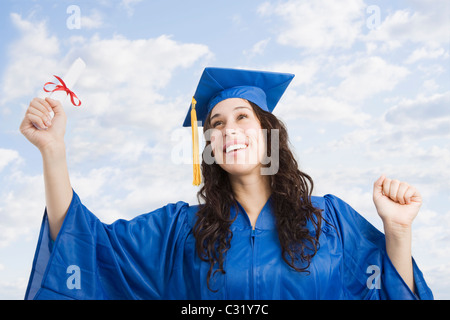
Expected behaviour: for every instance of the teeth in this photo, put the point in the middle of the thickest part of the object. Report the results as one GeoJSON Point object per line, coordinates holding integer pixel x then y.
{"type": "Point", "coordinates": [236, 147]}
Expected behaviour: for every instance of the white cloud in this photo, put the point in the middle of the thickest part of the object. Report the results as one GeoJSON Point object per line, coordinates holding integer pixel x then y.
{"type": "Point", "coordinates": [33, 33]}
{"type": "Point", "coordinates": [426, 53]}
{"type": "Point", "coordinates": [368, 76]}
{"type": "Point", "coordinates": [92, 21]}
{"type": "Point", "coordinates": [318, 24]}
{"type": "Point", "coordinates": [136, 70]}
{"type": "Point", "coordinates": [433, 109]}
{"type": "Point", "coordinates": [8, 156]}
{"type": "Point", "coordinates": [13, 288]}
{"type": "Point", "coordinates": [148, 63]}
{"type": "Point", "coordinates": [430, 242]}
{"type": "Point", "coordinates": [355, 81]}
{"type": "Point", "coordinates": [21, 206]}
{"type": "Point", "coordinates": [428, 24]}
{"type": "Point", "coordinates": [258, 48]}
{"type": "Point", "coordinates": [305, 71]}
{"type": "Point", "coordinates": [430, 86]}
{"type": "Point", "coordinates": [322, 109]}
{"type": "Point", "coordinates": [28, 69]}
{"type": "Point", "coordinates": [264, 8]}
{"type": "Point", "coordinates": [128, 5]}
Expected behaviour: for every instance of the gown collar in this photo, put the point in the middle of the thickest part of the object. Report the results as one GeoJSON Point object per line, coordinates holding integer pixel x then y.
{"type": "Point", "coordinates": [265, 220]}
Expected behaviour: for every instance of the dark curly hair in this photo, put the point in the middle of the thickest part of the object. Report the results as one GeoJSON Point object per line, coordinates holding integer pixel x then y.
{"type": "Point", "coordinates": [291, 198]}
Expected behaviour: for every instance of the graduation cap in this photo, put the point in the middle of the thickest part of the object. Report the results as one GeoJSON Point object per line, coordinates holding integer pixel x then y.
{"type": "Point", "coordinates": [217, 84]}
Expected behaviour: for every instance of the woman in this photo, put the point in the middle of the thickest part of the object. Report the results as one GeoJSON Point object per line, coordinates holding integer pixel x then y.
{"type": "Point", "coordinates": [258, 234]}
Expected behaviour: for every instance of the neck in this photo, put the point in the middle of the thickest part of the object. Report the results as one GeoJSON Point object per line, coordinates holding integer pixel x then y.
{"type": "Point", "coordinates": [252, 192]}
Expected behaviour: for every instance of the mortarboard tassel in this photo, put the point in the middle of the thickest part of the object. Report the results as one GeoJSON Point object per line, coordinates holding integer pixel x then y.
{"type": "Point", "coordinates": [195, 152]}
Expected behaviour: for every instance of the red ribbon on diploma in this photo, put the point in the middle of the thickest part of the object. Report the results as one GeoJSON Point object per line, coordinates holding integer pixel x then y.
{"type": "Point", "coordinates": [63, 87]}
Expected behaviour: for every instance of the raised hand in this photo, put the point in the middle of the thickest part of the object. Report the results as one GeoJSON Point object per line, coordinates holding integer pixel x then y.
{"type": "Point", "coordinates": [38, 127]}
{"type": "Point", "coordinates": [397, 202]}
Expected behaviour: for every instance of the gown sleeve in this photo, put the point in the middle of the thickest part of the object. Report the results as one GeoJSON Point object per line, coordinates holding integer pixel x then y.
{"type": "Point", "coordinates": [367, 271]}
{"type": "Point", "coordinates": [123, 260]}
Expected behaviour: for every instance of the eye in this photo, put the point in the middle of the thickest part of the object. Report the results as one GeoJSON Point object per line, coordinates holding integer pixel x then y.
{"type": "Point", "coordinates": [242, 116]}
{"type": "Point", "coordinates": [216, 123]}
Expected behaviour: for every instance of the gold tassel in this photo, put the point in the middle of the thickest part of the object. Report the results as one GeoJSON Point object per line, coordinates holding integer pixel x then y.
{"type": "Point", "coordinates": [195, 152]}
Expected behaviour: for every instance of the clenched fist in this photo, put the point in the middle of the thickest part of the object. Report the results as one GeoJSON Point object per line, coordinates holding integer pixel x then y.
{"type": "Point", "coordinates": [397, 203]}
{"type": "Point", "coordinates": [38, 127]}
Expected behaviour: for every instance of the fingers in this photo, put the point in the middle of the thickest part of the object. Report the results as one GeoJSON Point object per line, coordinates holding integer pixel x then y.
{"type": "Point", "coordinates": [378, 188]}
{"type": "Point", "coordinates": [390, 188]}
{"type": "Point", "coordinates": [55, 105]}
{"type": "Point", "coordinates": [39, 113]}
{"type": "Point", "coordinates": [378, 185]}
{"type": "Point", "coordinates": [412, 195]}
{"type": "Point", "coordinates": [41, 105]}
{"type": "Point", "coordinates": [400, 192]}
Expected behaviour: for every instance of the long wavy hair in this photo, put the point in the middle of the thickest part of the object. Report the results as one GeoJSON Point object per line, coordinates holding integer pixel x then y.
{"type": "Point", "coordinates": [291, 199]}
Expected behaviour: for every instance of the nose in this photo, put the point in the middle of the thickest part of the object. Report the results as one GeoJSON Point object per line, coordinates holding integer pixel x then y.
{"type": "Point", "coordinates": [231, 129]}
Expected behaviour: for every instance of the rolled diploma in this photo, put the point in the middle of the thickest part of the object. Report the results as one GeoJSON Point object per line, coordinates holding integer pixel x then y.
{"type": "Point", "coordinates": [70, 78]}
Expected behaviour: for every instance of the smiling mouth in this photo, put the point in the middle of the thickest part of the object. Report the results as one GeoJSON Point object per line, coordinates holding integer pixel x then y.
{"type": "Point", "coordinates": [235, 147]}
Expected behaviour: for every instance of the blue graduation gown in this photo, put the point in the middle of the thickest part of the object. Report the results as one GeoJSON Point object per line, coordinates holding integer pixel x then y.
{"type": "Point", "coordinates": [153, 257]}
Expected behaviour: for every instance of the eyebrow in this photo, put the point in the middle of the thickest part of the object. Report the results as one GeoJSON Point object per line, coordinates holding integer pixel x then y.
{"type": "Point", "coordinates": [218, 114]}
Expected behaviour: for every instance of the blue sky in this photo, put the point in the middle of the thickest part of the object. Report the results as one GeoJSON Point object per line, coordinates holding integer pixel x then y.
{"type": "Point", "coordinates": [371, 95]}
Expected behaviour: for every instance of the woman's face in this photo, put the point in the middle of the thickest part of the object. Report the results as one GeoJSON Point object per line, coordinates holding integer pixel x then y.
{"type": "Point", "coordinates": [237, 141]}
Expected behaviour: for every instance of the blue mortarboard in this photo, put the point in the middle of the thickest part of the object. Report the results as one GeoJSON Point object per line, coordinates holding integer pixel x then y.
{"type": "Point", "coordinates": [217, 84]}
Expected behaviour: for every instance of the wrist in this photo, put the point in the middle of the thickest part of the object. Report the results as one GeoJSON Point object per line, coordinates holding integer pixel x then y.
{"type": "Point", "coordinates": [397, 232]}
{"type": "Point", "coordinates": [53, 150]}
